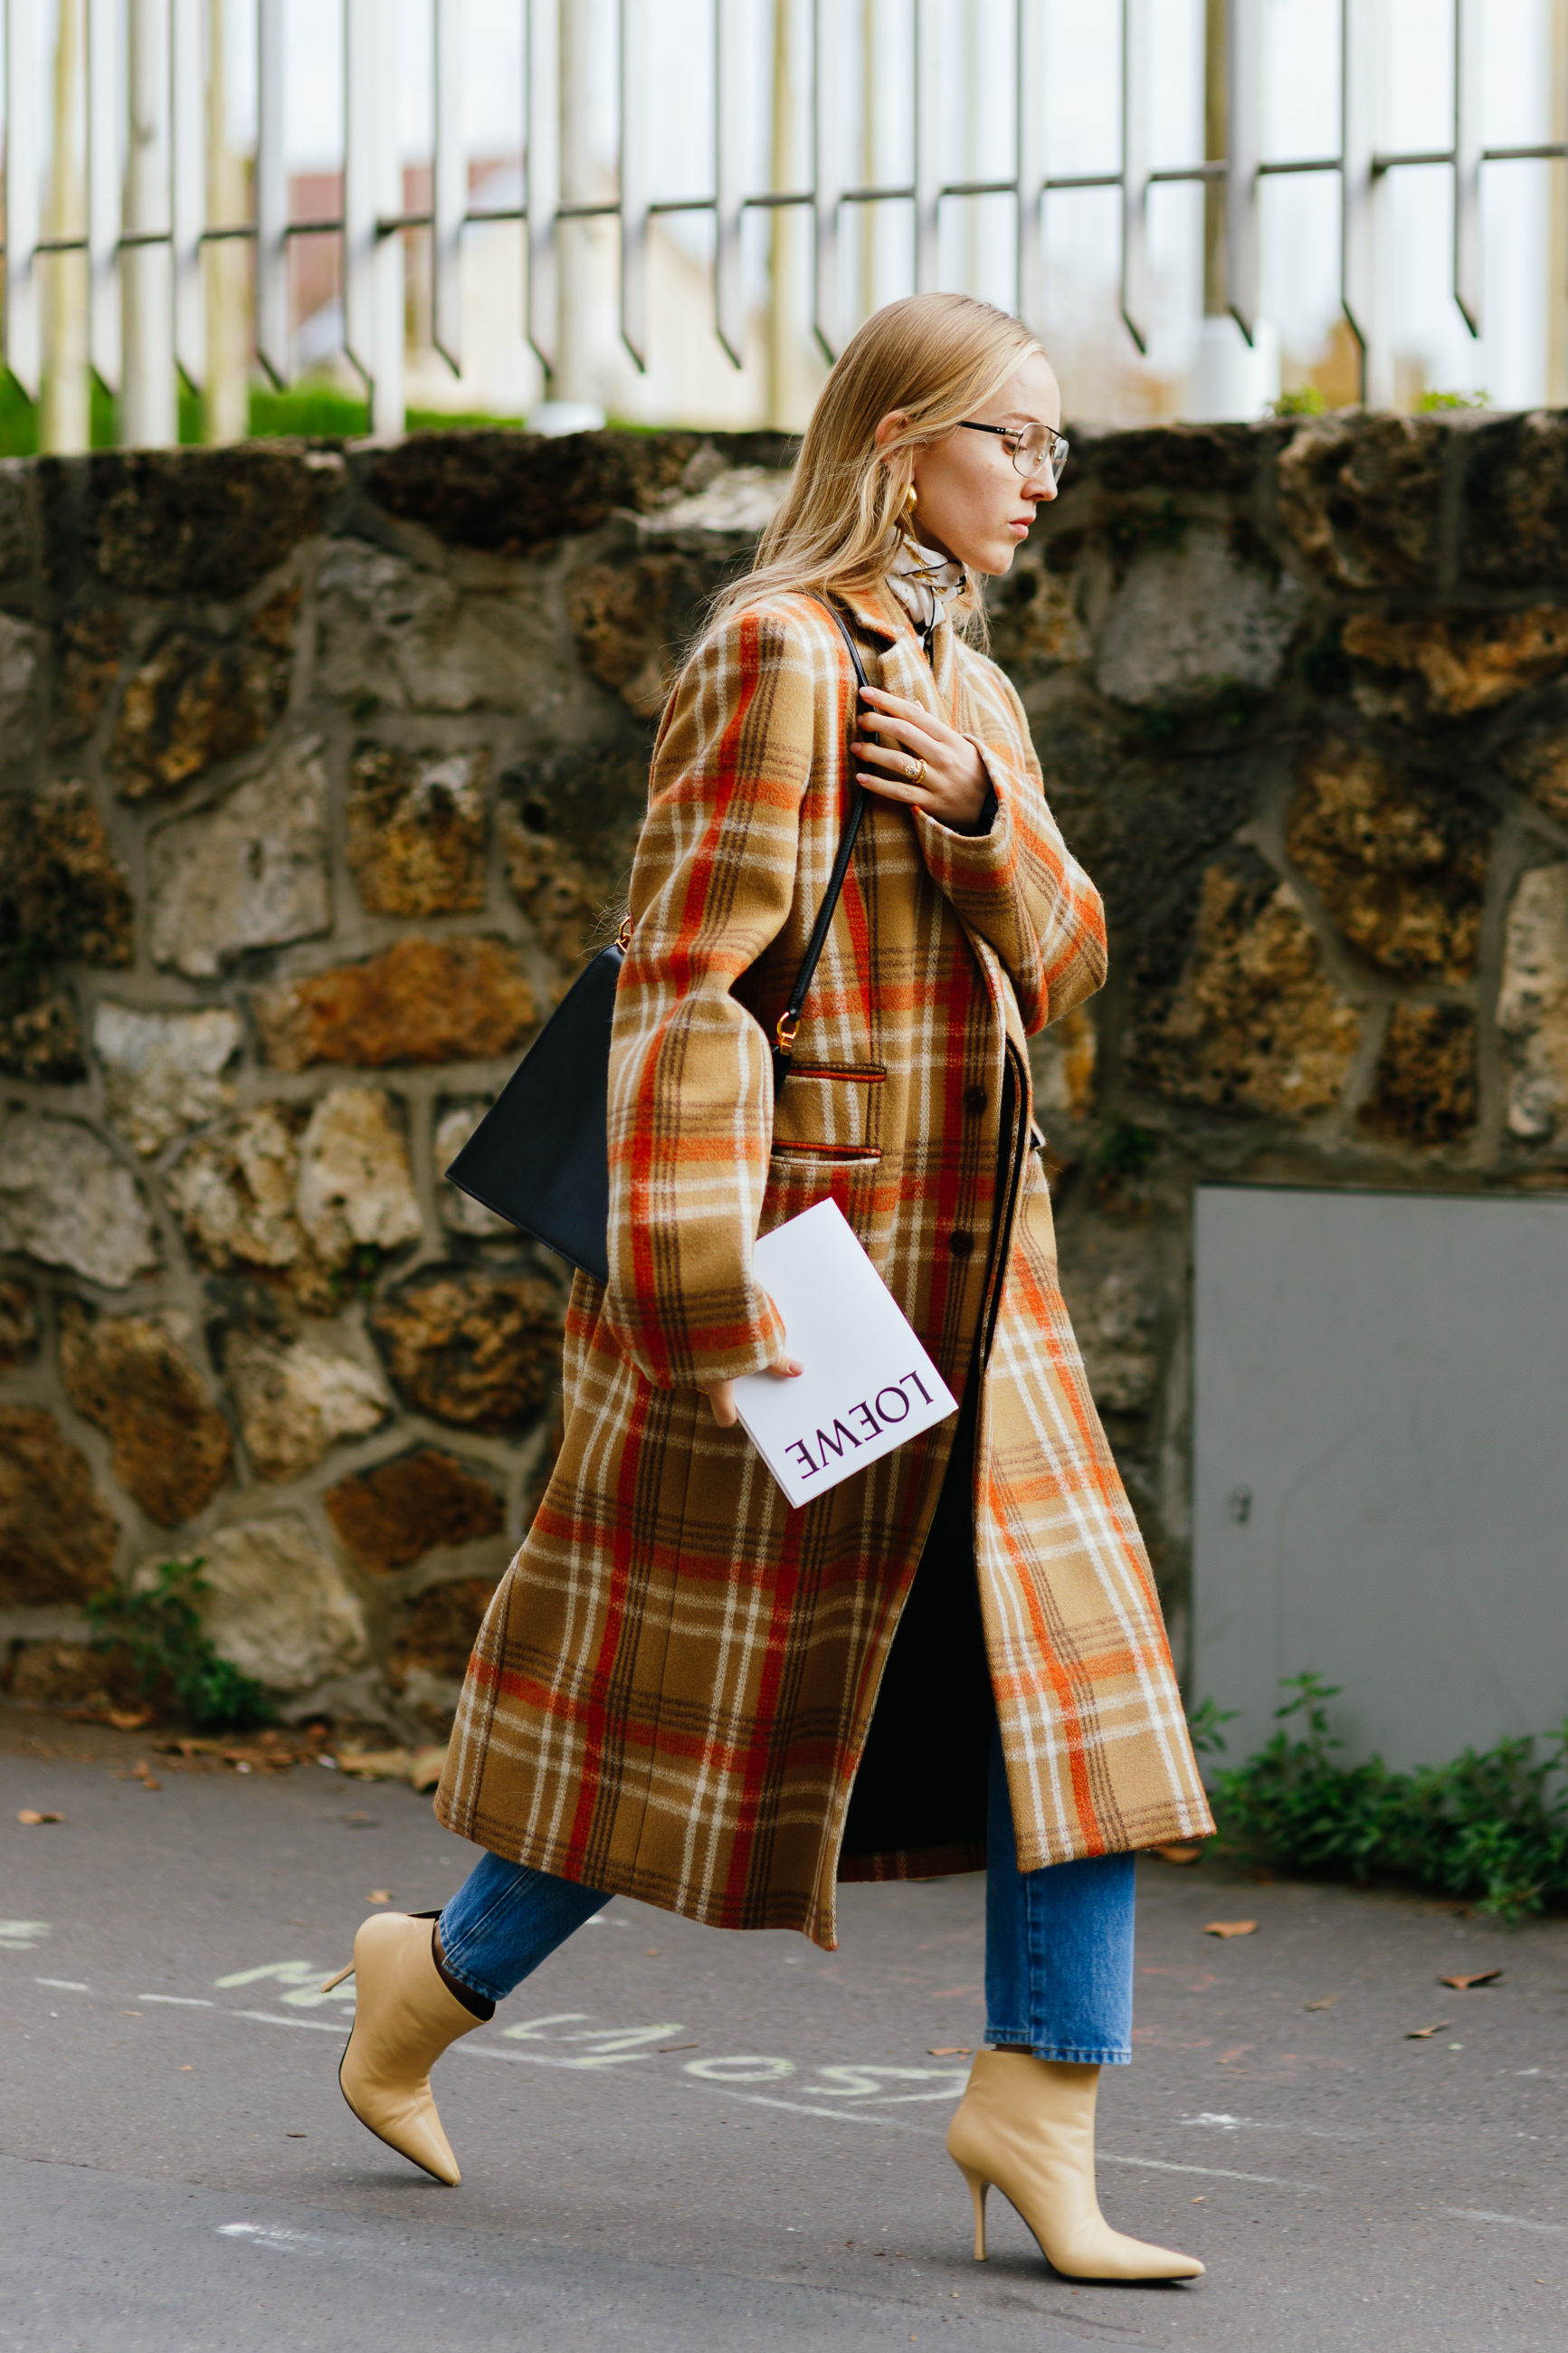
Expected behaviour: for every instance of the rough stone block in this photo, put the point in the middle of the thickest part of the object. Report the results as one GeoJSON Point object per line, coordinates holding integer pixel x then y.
{"type": "Point", "coordinates": [1202, 458]}
{"type": "Point", "coordinates": [251, 873]}
{"type": "Point", "coordinates": [460, 1213]}
{"type": "Point", "coordinates": [21, 657]}
{"type": "Point", "coordinates": [279, 1608]}
{"type": "Point", "coordinates": [131, 1375]}
{"type": "Point", "coordinates": [57, 1536]}
{"type": "Point", "coordinates": [40, 1037]}
{"type": "Point", "coordinates": [434, 1633]}
{"type": "Point", "coordinates": [1537, 764]}
{"type": "Point", "coordinates": [1452, 665]}
{"type": "Point", "coordinates": [1115, 1312]}
{"type": "Point", "coordinates": [392, 1516]}
{"type": "Point", "coordinates": [479, 1349]}
{"type": "Point", "coordinates": [393, 634]}
{"type": "Point", "coordinates": [516, 491]}
{"type": "Point", "coordinates": [632, 619]}
{"type": "Point", "coordinates": [356, 1189]}
{"type": "Point", "coordinates": [1532, 1005]}
{"type": "Point", "coordinates": [1062, 1060]}
{"type": "Point", "coordinates": [64, 1674]}
{"type": "Point", "coordinates": [17, 531]}
{"type": "Point", "coordinates": [417, 829]}
{"type": "Point", "coordinates": [1036, 623]}
{"type": "Point", "coordinates": [202, 522]}
{"type": "Point", "coordinates": [448, 1000]}
{"type": "Point", "coordinates": [1424, 1092]}
{"type": "Point", "coordinates": [62, 890]}
{"type": "Point", "coordinates": [1246, 1015]}
{"type": "Point", "coordinates": [296, 1401]}
{"type": "Point", "coordinates": [234, 1194]}
{"type": "Point", "coordinates": [1361, 497]}
{"type": "Point", "coordinates": [163, 1073]}
{"type": "Point", "coordinates": [19, 1325]}
{"type": "Point", "coordinates": [1516, 501]}
{"type": "Point", "coordinates": [65, 1199]}
{"type": "Point", "coordinates": [1400, 865]}
{"type": "Point", "coordinates": [1191, 621]}
{"type": "Point", "coordinates": [86, 669]}
{"type": "Point", "coordinates": [193, 705]}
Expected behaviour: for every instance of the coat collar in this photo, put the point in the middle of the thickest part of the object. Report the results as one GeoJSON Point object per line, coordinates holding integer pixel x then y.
{"type": "Point", "coordinates": [880, 615]}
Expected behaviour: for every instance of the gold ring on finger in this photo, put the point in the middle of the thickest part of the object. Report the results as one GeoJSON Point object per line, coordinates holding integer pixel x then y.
{"type": "Point", "coordinates": [915, 771]}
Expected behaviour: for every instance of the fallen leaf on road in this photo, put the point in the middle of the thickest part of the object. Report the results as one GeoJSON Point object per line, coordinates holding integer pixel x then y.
{"type": "Point", "coordinates": [420, 1767]}
{"type": "Point", "coordinates": [379, 1895]}
{"type": "Point", "coordinates": [1420, 2033]}
{"type": "Point", "coordinates": [1481, 1977]}
{"type": "Point", "coordinates": [951, 2051]}
{"type": "Point", "coordinates": [1177, 1853]}
{"type": "Point", "coordinates": [127, 1719]}
{"type": "Point", "coordinates": [427, 1766]}
{"type": "Point", "coordinates": [1230, 1928]}
{"type": "Point", "coordinates": [1324, 2001]}
{"type": "Point", "coordinates": [31, 1817]}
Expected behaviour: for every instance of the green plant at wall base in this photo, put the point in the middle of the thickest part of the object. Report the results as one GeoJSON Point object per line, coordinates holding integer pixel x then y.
{"type": "Point", "coordinates": [357, 1279]}
{"type": "Point", "coordinates": [1301, 400]}
{"type": "Point", "coordinates": [1125, 1149]}
{"type": "Point", "coordinates": [1432, 404]}
{"type": "Point", "coordinates": [1492, 1827]}
{"type": "Point", "coordinates": [161, 1628]}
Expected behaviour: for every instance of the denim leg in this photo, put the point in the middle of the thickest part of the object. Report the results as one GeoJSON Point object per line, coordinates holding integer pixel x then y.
{"type": "Point", "coordinates": [1058, 1947]}
{"type": "Point", "coordinates": [505, 1919]}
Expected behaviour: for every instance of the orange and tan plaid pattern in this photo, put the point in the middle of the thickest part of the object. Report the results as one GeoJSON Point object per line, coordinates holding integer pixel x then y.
{"type": "Point", "coordinates": [672, 1688]}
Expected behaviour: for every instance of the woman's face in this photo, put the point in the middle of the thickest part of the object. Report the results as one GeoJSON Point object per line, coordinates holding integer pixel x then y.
{"type": "Point", "coordinates": [970, 502]}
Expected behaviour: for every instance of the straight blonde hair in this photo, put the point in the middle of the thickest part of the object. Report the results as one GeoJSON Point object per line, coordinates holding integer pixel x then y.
{"type": "Point", "coordinates": [938, 358]}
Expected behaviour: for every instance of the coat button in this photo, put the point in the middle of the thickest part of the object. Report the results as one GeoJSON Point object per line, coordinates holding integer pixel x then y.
{"type": "Point", "coordinates": [960, 1243]}
{"type": "Point", "coordinates": [974, 1099]}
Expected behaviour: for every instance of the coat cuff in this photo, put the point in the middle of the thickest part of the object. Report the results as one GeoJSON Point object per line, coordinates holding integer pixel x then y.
{"type": "Point", "coordinates": [976, 858]}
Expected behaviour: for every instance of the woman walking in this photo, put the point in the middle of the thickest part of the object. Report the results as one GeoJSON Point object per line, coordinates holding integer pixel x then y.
{"type": "Point", "coordinates": [684, 1691]}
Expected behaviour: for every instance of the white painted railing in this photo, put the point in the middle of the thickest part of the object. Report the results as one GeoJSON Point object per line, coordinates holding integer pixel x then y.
{"type": "Point", "coordinates": [148, 222]}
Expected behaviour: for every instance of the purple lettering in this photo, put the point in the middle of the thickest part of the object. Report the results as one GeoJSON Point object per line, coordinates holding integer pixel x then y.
{"type": "Point", "coordinates": [798, 1446]}
{"type": "Point", "coordinates": [873, 1425]}
{"type": "Point", "coordinates": [828, 1444]}
{"type": "Point", "coordinates": [919, 1384]}
{"type": "Point", "coordinates": [900, 1400]}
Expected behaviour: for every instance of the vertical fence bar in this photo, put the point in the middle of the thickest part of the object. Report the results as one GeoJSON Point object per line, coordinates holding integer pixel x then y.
{"type": "Point", "coordinates": [24, 345]}
{"type": "Point", "coordinates": [1468, 253]}
{"type": "Point", "coordinates": [636, 61]}
{"type": "Point", "coordinates": [928, 142]}
{"type": "Point", "coordinates": [1030, 51]}
{"type": "Point", "coordinates": [729, 159]}
{"type": "Point", "coordinates": [149, 415]}
{"type": "Point", "coordinates": [1135, 170]}
{"type": "Point", "coordinates": [828, 179]}
{"type": "Point", "coordinates": [449, 186]}
{"type": "Point", "coordinates": [103, 193]}
{"type": "Point", "coordinates": [1244, 152]}
{"type": "Point", "coordinates": [1358, 192]}
{"type": "Point", "coordinates": [372, 264]}
{"type": "Point", "coordinates": [271, 197]}
{"type": "Point", "coordinates": [188, 140]}
{"type": "Point", "coordinates": [543, 179]}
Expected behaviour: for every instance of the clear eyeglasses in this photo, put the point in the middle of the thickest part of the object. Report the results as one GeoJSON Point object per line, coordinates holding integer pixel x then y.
{"type": "Point", "coordinates": [1032, 447]}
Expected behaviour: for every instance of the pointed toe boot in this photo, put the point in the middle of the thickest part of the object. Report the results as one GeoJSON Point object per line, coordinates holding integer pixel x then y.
{"type": "Point", "coordinates": [1027, 2125]}
{"type": "Point", "coordinates": [403, 2019]}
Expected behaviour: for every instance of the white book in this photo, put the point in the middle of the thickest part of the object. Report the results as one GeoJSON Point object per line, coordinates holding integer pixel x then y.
{"type": "Point", "coordinates": [869, 1385]}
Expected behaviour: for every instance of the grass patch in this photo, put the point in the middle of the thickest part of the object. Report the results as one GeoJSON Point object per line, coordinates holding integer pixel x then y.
{"type": "Point", "coordinates": [307, 412]}
{"type": "Point", "coordinates": [161, 1628]}
{"type": "Point", "coordinates": [1490, 1827]}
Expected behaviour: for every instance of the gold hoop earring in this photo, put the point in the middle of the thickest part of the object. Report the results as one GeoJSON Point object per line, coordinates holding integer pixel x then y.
{"type": "Point", "coordinates": [909, 501]}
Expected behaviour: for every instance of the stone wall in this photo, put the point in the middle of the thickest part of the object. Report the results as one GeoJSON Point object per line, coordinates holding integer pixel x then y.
{"type": "Point", "coordinates": [321, 769]}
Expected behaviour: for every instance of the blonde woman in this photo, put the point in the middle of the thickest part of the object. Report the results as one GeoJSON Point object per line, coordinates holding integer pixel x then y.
{"type": "Point", "coordinates": [684, 1691]}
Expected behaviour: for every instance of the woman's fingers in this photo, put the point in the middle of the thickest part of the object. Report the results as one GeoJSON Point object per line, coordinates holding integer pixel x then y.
{"type": "Point", "coordinates": [722, 1396]}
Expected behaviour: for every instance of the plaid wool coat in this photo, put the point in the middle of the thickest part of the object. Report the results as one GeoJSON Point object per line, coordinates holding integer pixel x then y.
{"type": "Point", "coordinates": [672, 1688]}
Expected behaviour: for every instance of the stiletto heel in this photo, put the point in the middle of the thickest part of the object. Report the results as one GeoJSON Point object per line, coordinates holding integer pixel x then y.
{"type": "Point", "coordinates": [978, 2186]}
{"type": "Point", "coordinates": [1028, 2125]}
{"type": "Point", "coordinates": [328, 1983]}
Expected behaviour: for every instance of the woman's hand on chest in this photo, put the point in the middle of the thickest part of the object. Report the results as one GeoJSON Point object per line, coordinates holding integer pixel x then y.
{"type": "Point", "coordinates": [920, 760]}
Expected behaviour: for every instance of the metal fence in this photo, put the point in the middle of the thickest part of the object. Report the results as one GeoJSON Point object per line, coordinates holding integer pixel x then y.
{"type": "Point", "coordinates": [145, 319]}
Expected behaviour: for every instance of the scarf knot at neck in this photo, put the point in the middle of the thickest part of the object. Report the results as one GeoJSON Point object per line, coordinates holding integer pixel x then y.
{"type": "Point", "coordinates": [925, 582]}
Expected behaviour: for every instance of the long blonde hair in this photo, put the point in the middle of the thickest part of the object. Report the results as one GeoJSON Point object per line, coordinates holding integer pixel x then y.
{"type": "Point", "coordinates": [937, 357]}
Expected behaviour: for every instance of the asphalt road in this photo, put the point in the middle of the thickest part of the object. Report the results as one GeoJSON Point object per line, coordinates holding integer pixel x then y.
{"type": "Point", "coordinates": [672, 2137]}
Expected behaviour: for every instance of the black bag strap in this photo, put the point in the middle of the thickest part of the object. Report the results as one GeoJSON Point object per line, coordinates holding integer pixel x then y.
{"type": "Point", "coordinates": [789, 1020]}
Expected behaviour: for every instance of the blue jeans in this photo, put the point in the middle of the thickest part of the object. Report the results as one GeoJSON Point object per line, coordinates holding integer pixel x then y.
{"type": "Point", "coordinates": [1059, 1941]}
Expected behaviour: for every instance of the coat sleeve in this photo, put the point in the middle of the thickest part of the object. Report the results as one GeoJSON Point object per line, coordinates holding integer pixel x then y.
{"type": "Point", "coordinates": [1018, 884]}
{"type": "Point", "coordinates": [690, 1110]}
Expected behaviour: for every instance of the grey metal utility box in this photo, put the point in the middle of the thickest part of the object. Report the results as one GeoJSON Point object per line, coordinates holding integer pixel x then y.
{"type": "Point", "coordinates": [1380, 1481]}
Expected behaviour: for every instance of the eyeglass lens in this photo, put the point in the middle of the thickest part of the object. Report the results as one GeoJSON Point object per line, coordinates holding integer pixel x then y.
{"type": "Point", "coordinates": [1032, 454]}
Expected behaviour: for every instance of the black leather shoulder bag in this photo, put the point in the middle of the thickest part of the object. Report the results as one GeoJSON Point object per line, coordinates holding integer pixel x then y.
{"type": "Point", "coordinates": [539, 1157]}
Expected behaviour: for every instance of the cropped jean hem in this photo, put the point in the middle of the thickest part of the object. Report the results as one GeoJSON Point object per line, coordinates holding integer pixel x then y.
{"type": "Point", "coordinates": [1061, 2053]}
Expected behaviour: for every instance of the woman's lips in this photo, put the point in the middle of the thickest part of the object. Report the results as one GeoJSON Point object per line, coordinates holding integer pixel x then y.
{"type": "Point", "coordinates": [1020, 526]}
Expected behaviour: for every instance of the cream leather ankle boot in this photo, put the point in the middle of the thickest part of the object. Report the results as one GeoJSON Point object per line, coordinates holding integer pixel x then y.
{"type": "Point", "coordinates": [403, 2019]}
{"type": "Point", "coordinates": [1027, 2125]}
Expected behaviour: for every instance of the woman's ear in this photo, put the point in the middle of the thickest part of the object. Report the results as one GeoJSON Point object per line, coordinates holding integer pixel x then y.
{"type": "Point", "coordinates": [894, 422]}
